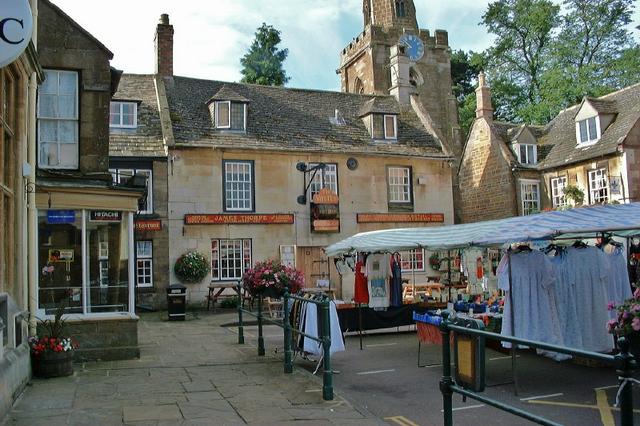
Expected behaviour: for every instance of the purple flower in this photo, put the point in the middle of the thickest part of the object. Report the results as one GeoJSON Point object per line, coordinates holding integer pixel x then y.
{"type": "Point", "coordinates": [611, 325]}
{"type": "Point", "coordinates": [635, 324]}
{"type": "Point", "coordinates": [611, 306]}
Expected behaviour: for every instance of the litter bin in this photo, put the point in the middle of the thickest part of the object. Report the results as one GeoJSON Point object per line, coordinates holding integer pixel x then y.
{"type": "Point", "coordinates": [177, 302]}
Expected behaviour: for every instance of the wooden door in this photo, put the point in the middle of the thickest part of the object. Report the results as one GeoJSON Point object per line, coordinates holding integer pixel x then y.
{"type": "Point", "coordinates": [314, 264]}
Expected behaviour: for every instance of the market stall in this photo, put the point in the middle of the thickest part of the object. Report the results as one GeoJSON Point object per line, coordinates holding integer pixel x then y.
{"type": "Point", "coordinates": [519, 265]}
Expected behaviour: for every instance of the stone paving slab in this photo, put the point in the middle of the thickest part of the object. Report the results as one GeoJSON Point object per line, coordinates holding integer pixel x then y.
{"type": "Point", "coordinates": [189, 373]}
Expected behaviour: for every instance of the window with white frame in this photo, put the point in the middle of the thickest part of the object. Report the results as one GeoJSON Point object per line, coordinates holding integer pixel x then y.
{"type": "Point", "coordinates": [384, 126]}
{"type": "Point", "coordinates": [598, 186]}
{"type": "Point", "coordinates": [399, 182]}
{"type": "Point", "coordinates": [123, 114]}
{"type": "Point", "coordinates": [230, 115]}
{"type": "Point", "coordinates": [121, 176]}
{"type": "Point", "coordinates": [58, 120]}
{"type": "Point", "coordinates": [326, 178]}
{"type": "Point", "coordinates": [530, 194]}
{"type": "Point", "coordinates": [230, 259]}
{"type": "Point", "coordinates": [412, 260]}
{"type": "Point", "coordinates": [238, 185]}
{"type": "Point", "coordinates": [527, 153]}
{"type": "Point", "coordinates": [587, 130]}
{"type": "Point", "coordinates": [558, 197]}
{"type": "Point", "coordinates": [144, 263]}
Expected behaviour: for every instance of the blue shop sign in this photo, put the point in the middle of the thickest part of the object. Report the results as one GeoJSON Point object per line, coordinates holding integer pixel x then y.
{"type": "Point", "coordinates": [61, 216]}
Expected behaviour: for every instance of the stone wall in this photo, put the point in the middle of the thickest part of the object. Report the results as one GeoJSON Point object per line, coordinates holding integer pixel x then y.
{"type": "Point", "coordinates": [15, 371]}
{"type": "Point", "coordinates": [487, 185]}
{"type": "Point", "coordinates": [104, 339]}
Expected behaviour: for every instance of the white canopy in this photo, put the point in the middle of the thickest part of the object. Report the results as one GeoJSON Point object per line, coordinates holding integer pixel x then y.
{"type": "Point", "coordinates": [619, 219]}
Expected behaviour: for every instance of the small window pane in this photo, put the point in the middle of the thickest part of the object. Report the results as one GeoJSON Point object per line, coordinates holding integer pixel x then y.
{"type": "Point", "coordinates": [593, 134]}
{"type": "Point", "coordinates": [377, 126]}
{"type": "Point", "coordinates": [237, 116]}
{"type": "Point", "coordinates": [583, 131]}
{"type": "Point", "coordinates": [390, 127]}
{"type": "Point", "coordinates": [222, 116]}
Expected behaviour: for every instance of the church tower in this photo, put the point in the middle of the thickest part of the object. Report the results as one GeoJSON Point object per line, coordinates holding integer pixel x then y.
{"type": "Point", "coordinates": [391, 31]}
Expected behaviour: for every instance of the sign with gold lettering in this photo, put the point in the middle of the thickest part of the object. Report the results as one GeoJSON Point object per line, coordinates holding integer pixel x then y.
{"type": "Point", "coordinates": [325, 211]}
{"type": "Point", "coordinates": [238, 219]}
{"type": "Point", "coordinates": [400, 217]}
{"type": "Point", "coordinates": [148, 225]}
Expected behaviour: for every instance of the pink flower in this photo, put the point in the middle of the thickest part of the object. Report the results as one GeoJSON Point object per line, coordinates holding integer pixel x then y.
{"type": "Point", "coordinates": [636, 293]}
{"type": "Point", "coordinates": [636, 308]}
{"type": "Point", "coordinates": [635, 324]}
{"type": "Point", "coordinates": [611, 306]}
{"type": "Point", "coordinates": [611, 325]}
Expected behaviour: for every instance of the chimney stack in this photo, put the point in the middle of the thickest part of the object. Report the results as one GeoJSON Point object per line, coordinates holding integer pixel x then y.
{"type": "Point", "coordinates": [164, 47]}
{"type": "Point", "coordinates": [401, 88]}
{"type": "Point", "coordinates": [483, 99]}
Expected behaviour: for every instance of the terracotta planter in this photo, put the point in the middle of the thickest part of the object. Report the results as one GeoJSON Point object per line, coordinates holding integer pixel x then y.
{"type": "Point", "coordinates": [52, 364]}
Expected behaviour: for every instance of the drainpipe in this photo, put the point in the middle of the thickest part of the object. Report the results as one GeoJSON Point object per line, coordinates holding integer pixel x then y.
{"type": "Point", "coordinates": [32, 219]}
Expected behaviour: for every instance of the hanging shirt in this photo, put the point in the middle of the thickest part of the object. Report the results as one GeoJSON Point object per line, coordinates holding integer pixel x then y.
{"type": "Point", "coordinates": [565, 292]}
{"type": "Point", "coordinates": [361, 290]}
{"type": "Point", "coordinates": [378, 271]}
{"type": "Point", "coordinates": [396, 283]}
{"type": "Point", "coordinates": [589, 270]}
{"type": "Point", "coordinates": [532, 298]}
{"type": "Point", "coordinates": [311, 328]}
{"type": "Point", "coordinates": [618, 286]}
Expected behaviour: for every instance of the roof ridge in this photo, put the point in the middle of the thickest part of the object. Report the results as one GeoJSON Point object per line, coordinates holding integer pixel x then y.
{"type": "Point", "coordinates": [619, 90]}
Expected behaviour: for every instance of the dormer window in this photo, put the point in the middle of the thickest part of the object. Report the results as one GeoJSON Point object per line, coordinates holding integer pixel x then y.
{"type": "Point", "coordinates": [384, 126]}
{"type": "Point", "coordinates": [588, 130]}
{"type": "Point", "coordinates": [527, 153]}
{"type": "Point", "coordinates": [230, 115]}
{"type": "Point", "coordinates": [123, 115]}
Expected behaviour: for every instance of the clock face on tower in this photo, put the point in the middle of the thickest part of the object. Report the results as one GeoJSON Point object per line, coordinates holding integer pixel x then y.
{"type": "Point", "coordinates": [415, 48]}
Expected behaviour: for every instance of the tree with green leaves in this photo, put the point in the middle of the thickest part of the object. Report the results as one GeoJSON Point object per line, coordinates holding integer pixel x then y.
{"type": "Point", "coordinates": [465, 67]}
{"type": "Point", "coordinates": [262, 64]}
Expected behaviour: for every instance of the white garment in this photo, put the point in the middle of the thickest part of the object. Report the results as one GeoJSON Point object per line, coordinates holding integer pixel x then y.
{"type": "Point", "coordinates": [378, 272]}
{"type": "Point", "coordinates": [618, 286]}
{"type": "Point", "coordinates": [565, 292]}
{"type": "Point", "coordinates": [311, 328]}
{"type": "Point", "coordinates": [588, 271]}
{"type": "Point", "coordinates": [534, 306]}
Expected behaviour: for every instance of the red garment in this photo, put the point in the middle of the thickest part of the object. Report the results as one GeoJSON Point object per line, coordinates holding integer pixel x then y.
{"type": "Point", "coordinates": [361, 289]}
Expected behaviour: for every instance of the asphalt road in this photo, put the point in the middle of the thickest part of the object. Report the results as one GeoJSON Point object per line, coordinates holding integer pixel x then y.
{"type": "Point", "coordinates": [384, 378]}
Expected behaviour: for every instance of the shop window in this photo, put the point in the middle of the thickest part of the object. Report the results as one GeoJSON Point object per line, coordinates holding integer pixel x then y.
{"type": "Point", "coordinates": [83, 261]}
{"type": "Point", "coordinates": [58, 120]}
{"type": "Point", "coordinates": [598, 186]}
{"type": "Point", "coordinates": [123, 115]}
{"type": "Point", "coordinates": [327, 178]}
{"type": "Point", "coordinates": [8, 180]}
{"type": "Point", "coordinates": [557, 191]}
{"type": "Point", "coordinates": [230, 259]}
{"type": "Point", "coordinates": [121, 176]}
{"type": "Point", "coordinates": [412, 260]}
{"type": "Point", "coordinates": [530, 194]}
{"type": "Point", "coordinates": [144, 262]}
{"type": "Point", "coordinates": [238, 185]}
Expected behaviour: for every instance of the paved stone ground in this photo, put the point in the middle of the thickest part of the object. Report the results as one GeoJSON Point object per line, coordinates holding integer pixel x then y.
{"type": "Point", "coordinates": [189, 373]}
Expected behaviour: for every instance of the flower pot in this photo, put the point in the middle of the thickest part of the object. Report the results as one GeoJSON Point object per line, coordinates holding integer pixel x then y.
{"type": "Point", "coordinates": [52, 364]}
{"type": "Point", "coordinates": [271, 292]}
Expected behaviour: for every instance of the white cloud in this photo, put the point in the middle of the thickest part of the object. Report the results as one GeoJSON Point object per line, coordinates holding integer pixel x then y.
{"type": "Point", "coordinates": [212, 36]}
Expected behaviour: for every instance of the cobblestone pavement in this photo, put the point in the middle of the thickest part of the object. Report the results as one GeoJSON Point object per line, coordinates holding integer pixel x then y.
{"type": "Point", "coordinates": [189, 373]}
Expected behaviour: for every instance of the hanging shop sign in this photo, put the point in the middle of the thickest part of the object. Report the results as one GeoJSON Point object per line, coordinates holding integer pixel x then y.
{"type": "Point", "coordinates": [400, 217]}
{"type": "Point", "coordinates": [16, 27]}
{"type": "Point", "coordinates": [106, 216]}
{"type": "Point", "coordinates": [325, 211]}
{"type": "Point", "coordinates": [238, 219]}
{"type": "Point", "coordinates": [61, 216]}
{"type": "Point", "coordinates": [148, 225]}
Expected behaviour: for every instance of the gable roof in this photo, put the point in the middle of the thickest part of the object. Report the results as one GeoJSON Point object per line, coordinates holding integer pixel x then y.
{"type": "Point", "coordinates": [285, 119]}
{"type": "Point", "coordinates": [560, 133]}
{"type": "Point", "coordinates": [62, 14]}
{"type": "Point", "coordinates": [226, 94]}
{"type": "Point", "coordinates": [379, 105]}
{"type": "Point", "coordinates": [146, 139]}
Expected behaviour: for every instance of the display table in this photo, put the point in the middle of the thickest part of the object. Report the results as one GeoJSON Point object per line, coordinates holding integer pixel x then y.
{"type": "Point", "coordinates": [354, 318]}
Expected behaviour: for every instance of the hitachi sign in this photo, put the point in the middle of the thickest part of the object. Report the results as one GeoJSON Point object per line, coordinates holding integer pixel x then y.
{"type": "Point", "coordinates": [16, 27]}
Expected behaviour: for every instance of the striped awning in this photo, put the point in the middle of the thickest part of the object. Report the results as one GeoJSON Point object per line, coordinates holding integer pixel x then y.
{"type": "Point", "coordinates": [585, 222]}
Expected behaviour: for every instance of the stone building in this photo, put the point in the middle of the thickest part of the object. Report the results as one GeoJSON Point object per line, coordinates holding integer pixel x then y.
{"type": "Point", "coordinates": [242, 171]}
{"type": "Point", "coordinates": [136, 146]}
{"type": "Point", "coordinates": [515, 169]}
{"type": "Point", "coordinates": [85, 258]}
{"type": "Point", "coordinates": [18, 81]}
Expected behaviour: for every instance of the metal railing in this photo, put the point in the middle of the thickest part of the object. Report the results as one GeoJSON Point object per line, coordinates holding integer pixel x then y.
{"type": "Point", "coordinates": [324, 334]}
{"type": "Point", "coordinates": [623, 362]}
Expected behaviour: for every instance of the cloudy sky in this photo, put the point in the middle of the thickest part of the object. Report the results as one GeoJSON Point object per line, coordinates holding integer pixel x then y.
{"type": "Point", "coordinates": [212, 35]}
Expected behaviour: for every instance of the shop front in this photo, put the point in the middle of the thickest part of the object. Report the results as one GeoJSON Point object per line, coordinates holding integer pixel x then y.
{"type": "Point", "coordinates": [86, 265]}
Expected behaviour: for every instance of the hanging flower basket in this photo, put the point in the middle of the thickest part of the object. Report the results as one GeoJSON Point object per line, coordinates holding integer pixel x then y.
{"type": "Point", "coordinates": [271, 278]}
{"type": "Point", "coordinates": [191, 267]}
{"type": "Point", "coordinates": [627, 322]}
{"type": "Point", "coordinates": [434, 262]}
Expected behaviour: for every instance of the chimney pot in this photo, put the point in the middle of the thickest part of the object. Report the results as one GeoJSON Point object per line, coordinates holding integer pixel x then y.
{"type": "Point", "coordinates": [483, 99]}
{"type": "Point", "coordinates": [164, 47]}
{"type": "Point", "coordinates": [164, 19]}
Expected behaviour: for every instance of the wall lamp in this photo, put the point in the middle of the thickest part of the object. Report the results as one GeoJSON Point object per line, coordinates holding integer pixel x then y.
{"type": "Point", "coordinates": [305, 169]}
